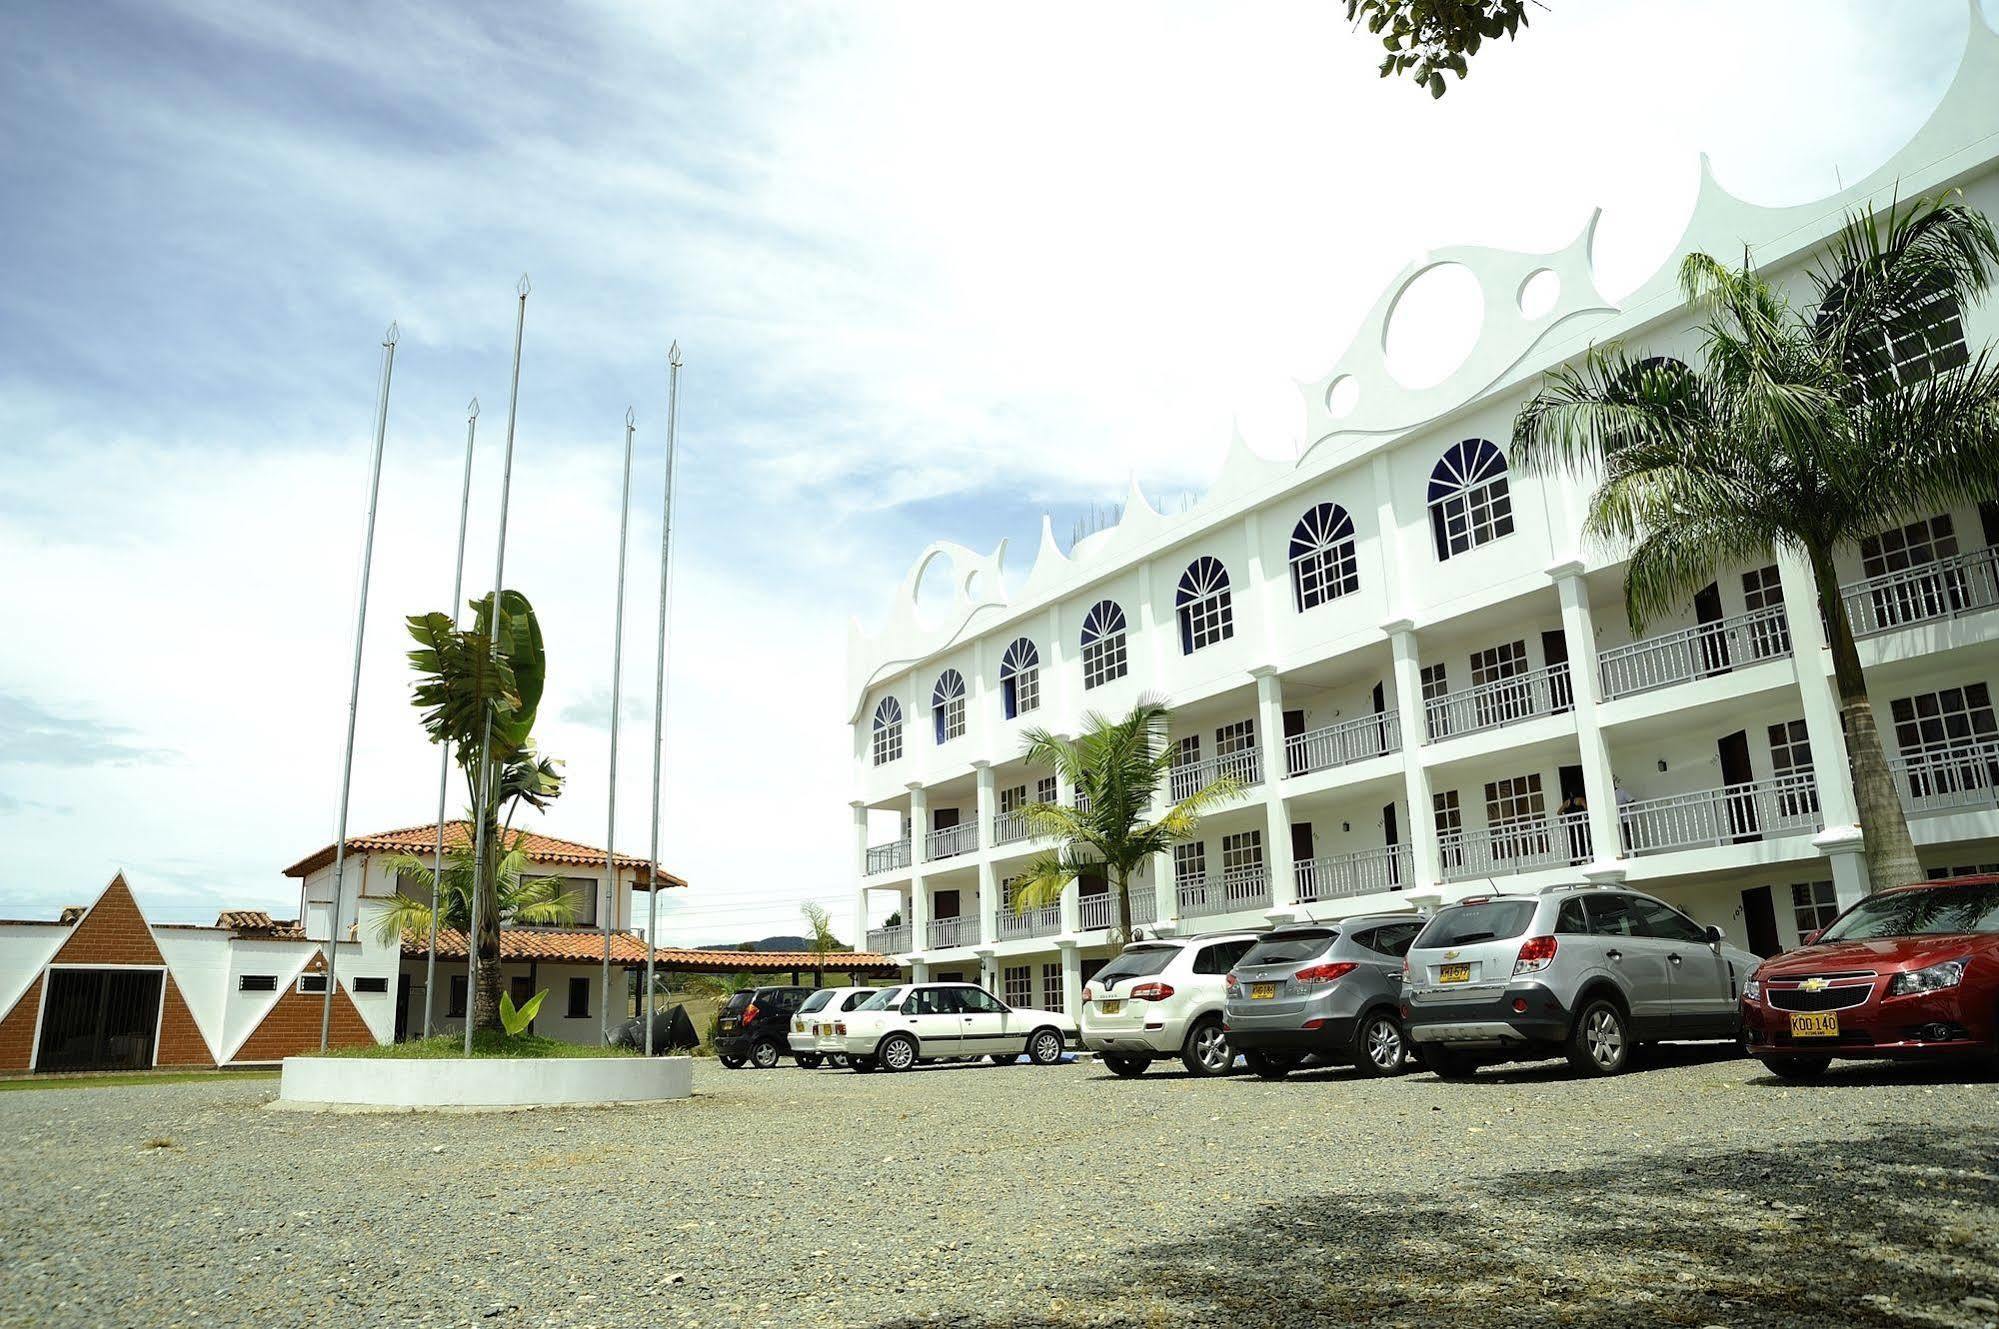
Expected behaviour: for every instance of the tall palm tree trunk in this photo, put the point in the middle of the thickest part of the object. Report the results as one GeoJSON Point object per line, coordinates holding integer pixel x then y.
{"type": "Point", "coordinates": [1891, 854]}
{"type": "Point", "coordinates": [486, 925]}
{"type": "Point", "coordinates": [1123, 905]}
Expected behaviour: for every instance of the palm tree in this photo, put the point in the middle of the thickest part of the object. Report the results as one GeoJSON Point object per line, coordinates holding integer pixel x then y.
{"type": "Point", "coordinates": [470, 684]}
{"type": "Point", "coordinates": [520, 899]}
{"type": "Point", "coordinates": [822, 942]}
{"type": "Point", "coordinates": [1799, 432]}
{"type": "Point", "coordinates": [1116, 768]}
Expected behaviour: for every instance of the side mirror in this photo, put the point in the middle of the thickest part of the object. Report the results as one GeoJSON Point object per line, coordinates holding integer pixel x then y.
{"type": "Point", "coordinates": [1713, 935]}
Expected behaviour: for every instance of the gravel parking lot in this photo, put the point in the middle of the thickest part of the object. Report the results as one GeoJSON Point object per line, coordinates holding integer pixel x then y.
{"type": "Point", "coordinates": [1697, 1192]}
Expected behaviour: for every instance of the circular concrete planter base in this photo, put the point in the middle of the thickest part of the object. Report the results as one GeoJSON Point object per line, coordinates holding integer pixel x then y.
{"type": "Point", "coordinates": [481, 1082]}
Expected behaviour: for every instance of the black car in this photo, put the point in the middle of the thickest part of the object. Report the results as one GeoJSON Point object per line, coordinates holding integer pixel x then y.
{"type": "Point", "coordinates": [752, 1024]}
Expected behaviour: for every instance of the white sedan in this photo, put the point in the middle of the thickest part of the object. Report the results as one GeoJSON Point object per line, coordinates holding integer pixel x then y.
{"type": "Point", "coordinates": [811, 1036]}
{"type": "Point", "coordinates": [901, 1026]}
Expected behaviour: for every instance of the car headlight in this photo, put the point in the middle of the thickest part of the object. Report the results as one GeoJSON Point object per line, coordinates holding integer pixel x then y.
{"type": "Point", "coordinates": [1753, 990]}
{"type": "Point", "coordinates": [1933, 979]}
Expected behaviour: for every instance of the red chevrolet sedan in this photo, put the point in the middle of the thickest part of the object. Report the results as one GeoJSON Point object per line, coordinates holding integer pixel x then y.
{"type": "Point", "coordinates": [1911, 972]}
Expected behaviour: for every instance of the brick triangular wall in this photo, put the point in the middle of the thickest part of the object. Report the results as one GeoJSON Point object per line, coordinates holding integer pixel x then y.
{"type": "Point", "coordinates": [292, 1025]}
{"type": "Point", "coordinates": [181, 1043]}
{"type": "Point", "coordinates": [112, 932]}
{"type": "Point", "coordinates": [17, 1031]}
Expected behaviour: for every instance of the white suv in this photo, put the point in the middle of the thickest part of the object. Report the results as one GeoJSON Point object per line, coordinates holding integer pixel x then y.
{"type": "Point", "coordinates": [900, 1026]}
{"type": "Point", "coordinates": [811, 1033]}
{"type": "Point", "coordinates": [1164, 998]}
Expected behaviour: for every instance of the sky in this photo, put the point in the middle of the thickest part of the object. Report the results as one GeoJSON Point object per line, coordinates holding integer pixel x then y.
{"type": "Point", "coordinates": [935, 270]}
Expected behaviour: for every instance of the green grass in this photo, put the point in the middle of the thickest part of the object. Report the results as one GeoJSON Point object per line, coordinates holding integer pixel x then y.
{"type": "Point", "coordinates": [483, 1045]}
{"type": "Point", "coordinates": [137, 1077]}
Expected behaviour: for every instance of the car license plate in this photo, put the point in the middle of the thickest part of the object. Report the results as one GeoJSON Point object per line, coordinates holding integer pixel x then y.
{"type": "Point", "coordinates": [1815, 1024]}
{"type": "Point", "coordinates": [1454, 973]}
{"type": "Point", "coordinates": [1113, 1007]}
{"type": "Point", "coordinates": [1262, 991]}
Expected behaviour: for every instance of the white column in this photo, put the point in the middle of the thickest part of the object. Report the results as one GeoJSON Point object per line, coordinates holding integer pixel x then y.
{"type": "Point", "coordinates": [1072, 977]}
{"type": "Point", "coordinates": [988, 884]}
{"type": "Point", "coordinates": [919, 894]}
{"type": "Point", "coordinates": [919, 971]}
{"type": "Point", "coordinates": [1263, 588]}
{"type": "Point", "coordinates": [1071, 908]}
{"type": "Point", "coordinates": [1599, 784]}
{"type": "Point", "coordinates": [1165, 900]}
{"type": "Point", "coordinates": [1061, 671]}
{"type": "Point", "coordinates": [1277, 817]}
{"type": "Point", "coordinates": [861, 874]}
{"type": "Point", "coordinates": [1150, 640]}
{"type": "Point", "coordinates": [1415, 777]}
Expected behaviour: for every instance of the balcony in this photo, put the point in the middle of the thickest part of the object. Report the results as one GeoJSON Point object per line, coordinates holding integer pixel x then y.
{"type": "Point", "coordinates": [1100, 911]}
{"type": "Point", "coordinates": [951, 841]}
{"type": "Point", "coordinates": [889, 940]}
{"type": "Point", "coordinates": [1043, 922]}
{"type": "Point", "coordinates": [1244, 888]}
{"type": "Point", "coordinates": [1948, 588]}
{"type": "Point", "coordinates": [1732, 814]}
{"type": "Point", "coordinates": [1521, 844]}
{"type": "Point", "coordinates": [1245, 768]}
{"type": "Point", "coordinates": [1343, 744]}
{"type": "Point", "coordinates": [1962, 777]}
{"type": "Point", "coordinates": [1503, 701]}
{"type": "Point", "coordinates": [888, 857]}
{"type": "Point", "coordinates": [952, 931]}
{"type": "Point", "coordinates": [1697, 652]}
{"type": "Point", "coordinates": [1011, 828]}
{"type": "Point", "coordinates": [1336, 876]}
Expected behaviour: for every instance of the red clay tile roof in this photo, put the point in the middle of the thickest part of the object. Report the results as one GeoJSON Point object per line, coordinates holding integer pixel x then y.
{"type": "Point", "coordinates": [458, 834]}
{"type": "Point", "coordinates": [580, 947]}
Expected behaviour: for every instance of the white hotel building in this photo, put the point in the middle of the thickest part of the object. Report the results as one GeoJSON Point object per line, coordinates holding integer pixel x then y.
{"type": "Point", "coordinates": [1425, 681]}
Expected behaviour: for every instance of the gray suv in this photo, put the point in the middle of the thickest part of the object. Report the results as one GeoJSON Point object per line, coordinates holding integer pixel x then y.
{"type": "Point", "coordinates": [1322, 989]}
{"type": "Point", "coordinates": [1586, 972]}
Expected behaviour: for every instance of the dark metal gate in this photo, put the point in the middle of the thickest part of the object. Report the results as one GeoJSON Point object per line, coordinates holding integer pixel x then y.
{"type": "Point", "coordinates": [99, 1020]}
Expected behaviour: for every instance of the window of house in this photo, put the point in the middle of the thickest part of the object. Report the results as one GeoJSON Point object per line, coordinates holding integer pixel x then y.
{"type": "Point", "coordinates": [1206, 609]}
{"type": "Point", "coordinates": [1814, 904]}
{"type": "Point", "coordinates": [1920, 337]}
{"type": "Point", "coordinates": [1235, 745]}
{"type": "Point", "coordinates": [1949, 717]}
{"type": "Point", "coordinates": [1012, 799]}
{"type": "Point", "coordinates": [579, 997]}
{"type": "Point", "coordinates": [582, 894]}
{"type": "Point", "coordinates": [1513, 799]}
{"type": "Point", "coordinates": [944, 904]}
{"type": "Point", "coordinates": [947, 705]}
{"type": "Point", "coordinates": [1450, 828]}
{"type": "Point", "coordinates": [1470, 504]}
{"type": "Point", "coordinates": [1323, 566]}
{"type": "Point", "coordinates": [1436, 683]}
{"type": "Point", "coordinates": [1242, 852]}
{"type": "Point", "coordinates": [312, 984]}
{"type": "Point", "coordinates": [1962, 870]}
{"type": "Point", "coordinates": [1791, 755]}
{"type": "Point", "coordinates": [1103, 644]}
{"type": "Point", "coordinates": [1019, 985]}
{"type": "Point", "coordinates": [1045, 789]}
{"type": "Point", "coordinates": [888, 730]}
{"type": "Point", "coordinates": [1051, 987]}
{"type": "Point", "coordinates": [454, 1008]}
{"type": "Point", "coordinates": [1761, 589]}
{"type": "Point", "coordinates": [1020, 678]}
{"type": "Point", "coordinates": [1498, 662]}
{"type": "Point", "coordinates": [257, 983]}
{"type": "Point", "coordinates": [1190, 863]}
{"type": "Point", "coordinates": [1913, 546]}
{"type": "Point", "coordinates": [373, 984]}
{"type": "Point", "coordinates": [1187, 752]}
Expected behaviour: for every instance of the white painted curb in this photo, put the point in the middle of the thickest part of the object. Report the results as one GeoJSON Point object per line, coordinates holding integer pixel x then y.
{"type": "Point", "coordinates": [483, 1081]}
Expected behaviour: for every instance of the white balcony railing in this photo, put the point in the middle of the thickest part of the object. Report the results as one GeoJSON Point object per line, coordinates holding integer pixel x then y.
{"type": "Point", "coordinates": [952, 931]}
{"type": "Point", "coordinates": [1948, 588]}
{"type": "Point", "coordinates": [1342, 744]}
{"type": "Point", "coordinates": [1697, 652]}
{"type": "Point", "coordinates": [887, 857]}
{"type": "Point", "coordinates": [1100, 911]}
{"type": "Point", "coordinates": [1732, 814]}
{"type": "Point", "coordinates": [1502, 702]}
{"type": "Point", "coordinates": [1244, 888]}
{"type": "Point", "coordinates": [1245, 768]}
{"type": "Point", "coordinates": [890, 940]}
{"type": "Point", "coordinates": [1335, 876]}
{"type": "Point", "coordinates": [1043, 922]}
{"type": "Point", "coordinates": [1521, 844]}
{"type": "Point", "coordinates": [951, 841]}
{"type": "Point", "coordinates": [1949, 779]}
{"type": "Point", "coordinates": [1011, 828]}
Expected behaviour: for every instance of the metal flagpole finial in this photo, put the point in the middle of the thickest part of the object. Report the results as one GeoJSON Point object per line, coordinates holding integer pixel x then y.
{"type": "Point", "coordinates": [523, 286]}
{"type": "Point", "coordinates": [472, 411]}
{"type": "Point", "coordinates": [390, 337]}
{"type": "Point", "coordinates": [673, 355]}
{"type": "Point", "coordinates": [631, 416]}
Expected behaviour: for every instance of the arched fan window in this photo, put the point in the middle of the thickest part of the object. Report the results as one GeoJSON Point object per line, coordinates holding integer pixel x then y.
{"type": "Point", "coordinates": [947, 705]}
{"type": "Point", "coordinates": [1207, 613]}
{"type": "Point", "coordinates": [1469, 502]}
{"type": "Point", "coordinates": [1323, 566]}
{"type": "Point", "coordinates": [1020, 678]}
{"type": "Point", "coordinates": [888, 730]}
{"type": "Point", "coordinates": [1904, 341]}
{"type": "Point", "coordinates": [1103, 644]}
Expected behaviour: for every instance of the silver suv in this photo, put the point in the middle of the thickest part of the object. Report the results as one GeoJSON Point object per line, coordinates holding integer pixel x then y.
{"type": "Point", "coordinates": [1587, 972]}
{"type": "Point", "coordinates": [1163, 998]}
{"type": "Point", "coordinates": [1322, 989]}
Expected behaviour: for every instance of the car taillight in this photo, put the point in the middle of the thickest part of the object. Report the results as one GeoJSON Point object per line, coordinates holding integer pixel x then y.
{"type": "Point", "coordinates": [1323, 973]}
{"type": "Point", "coordinates": [840, 1028]}
{"type": "Point", "coordinates": [1536, 953]}
{"type": "Point", "coordinates": [749, 1012]}
{"type": "Point", "coordinates": [1152, 992]}
{"type": "Point", "coordinates": [1229, 982]}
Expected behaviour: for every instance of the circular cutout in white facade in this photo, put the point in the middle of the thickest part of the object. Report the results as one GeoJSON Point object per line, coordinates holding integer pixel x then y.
{"type": "Point", "coordinates": [1433, 325]}
{"type": "Point", "coordinates": [1539, 292]}
{"type": "Point", "coordinates": [1342, 395]}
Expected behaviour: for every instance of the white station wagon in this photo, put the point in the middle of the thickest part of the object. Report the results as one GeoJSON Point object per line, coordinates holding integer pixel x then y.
{"type": "Point", "coordinates": [811, 1036]}
{"type": "Point", "coordinates": [901, 1026]}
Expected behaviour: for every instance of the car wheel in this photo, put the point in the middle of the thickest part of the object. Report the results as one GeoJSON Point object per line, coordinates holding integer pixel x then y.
{"type": "Point", "coordinates": [1448, 1063]}
{"type": "Point", "coordinates": [1044, 1047]}
{"type": "Point", "coordinates": [1381, 1048]}
{"type": "Point", "coordinates": [764, 1054]}
{"type": "Point", "coordinates": [836, 1058]}
{"type": "Point", "coordinates": [1796, 1068]}
{"type": "Point", "coordinates": [731, 1063]}
{"type": "Point", "coordinates": [897, 1052]}
{"type": "Point", "coordinates": [1270, 1065]}
{"type": "Point", "coordinates": [808, 1060]}
{"type": "Point", "coordinates": [1125, 1068]}
{"type": "Point", "coordinates": [1207, 1051]}
{"type": "Point", "coordinates": [1600, 1040]}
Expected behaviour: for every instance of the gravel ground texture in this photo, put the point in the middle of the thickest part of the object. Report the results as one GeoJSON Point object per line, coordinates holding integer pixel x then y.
{"type": "Point", "coordinates": [1694, 1192]}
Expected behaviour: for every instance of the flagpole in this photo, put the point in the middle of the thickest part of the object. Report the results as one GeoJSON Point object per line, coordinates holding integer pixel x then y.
{"type": "Point", "coordinates": [521, 289]}
{"type": "Point", "coordinates": [354, 686]}
{"type": "Point", "coordinates": [444, 760]}
{"type": "Point", "coordinates": [659, 679]}
{"type": "Point", "coordinates": [609, 905]}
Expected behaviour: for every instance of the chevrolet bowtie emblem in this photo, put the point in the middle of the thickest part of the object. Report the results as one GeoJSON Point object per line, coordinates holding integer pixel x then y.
{"type": "Point", "coordinates": [1813, 985]}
